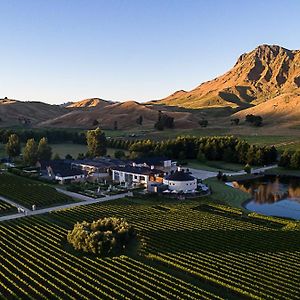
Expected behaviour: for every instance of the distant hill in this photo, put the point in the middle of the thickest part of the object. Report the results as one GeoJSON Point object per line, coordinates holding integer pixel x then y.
{"type": "Point", "coordinates": [13, 112]}
{"type": "Point", "coordinates": [125, 114]}
{"type": "Point", "coordinates": [88, 103]}
{"type": "Point", "coordinates": [260, 75]}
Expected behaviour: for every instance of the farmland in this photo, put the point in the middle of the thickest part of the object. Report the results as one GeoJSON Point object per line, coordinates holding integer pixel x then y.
{"type": "Point", "coordinates": [184, 252]}
{"type": "Point", "coordinates": [6, 208]}
{"type": "Point", "coordinates": [27, 192]}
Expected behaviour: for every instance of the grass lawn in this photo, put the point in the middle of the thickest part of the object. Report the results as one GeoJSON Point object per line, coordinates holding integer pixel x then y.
{"type": "Point", "coordinates": [215, 166]}
{"type": "Point", "coordinates": [226, 194]}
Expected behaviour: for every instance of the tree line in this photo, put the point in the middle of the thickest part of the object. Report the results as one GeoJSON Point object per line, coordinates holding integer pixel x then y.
{"type": "Point", "coordinates": [53, 136]}
{"type": "Point", "coordinates": [226, 148]}
{"type": "Point", "coordinates": [290, 159]}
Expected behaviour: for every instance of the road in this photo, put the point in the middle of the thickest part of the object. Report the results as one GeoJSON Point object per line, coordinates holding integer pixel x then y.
{"type": "Point", "coordinates": [54, 208]}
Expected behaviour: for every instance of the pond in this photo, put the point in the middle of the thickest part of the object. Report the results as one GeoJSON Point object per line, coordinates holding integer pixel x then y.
{"type": "Point", "coordinates": [273, 195]}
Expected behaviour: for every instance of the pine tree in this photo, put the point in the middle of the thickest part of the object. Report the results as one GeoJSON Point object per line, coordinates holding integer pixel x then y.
{"type": "Point", "coordinates": [96, 142]}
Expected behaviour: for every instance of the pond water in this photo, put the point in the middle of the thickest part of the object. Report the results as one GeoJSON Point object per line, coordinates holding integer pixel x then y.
{"type": "Point", "coordinates": [273, 196]}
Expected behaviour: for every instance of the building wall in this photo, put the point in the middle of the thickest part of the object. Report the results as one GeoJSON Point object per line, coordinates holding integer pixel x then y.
{"type": "Point", "coordinates": [122, 177]}
{"type": "Point", "coordinates": [181, 185]}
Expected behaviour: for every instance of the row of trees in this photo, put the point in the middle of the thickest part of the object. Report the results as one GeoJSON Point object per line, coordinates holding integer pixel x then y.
{"type": "Point", "coordinates": [289, 159]}
{"type": "Point", "coordinates": [33, 151]}
{"type": "Point", "coordinates": [227, 148]}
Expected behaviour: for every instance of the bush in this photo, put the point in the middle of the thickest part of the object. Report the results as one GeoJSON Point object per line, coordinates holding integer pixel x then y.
{"type": "Point", "coordinates": [107, 236]}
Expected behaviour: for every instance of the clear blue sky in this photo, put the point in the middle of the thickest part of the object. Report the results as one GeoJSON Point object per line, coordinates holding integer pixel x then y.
{"type": "Point", "coordinates": [67, 50]}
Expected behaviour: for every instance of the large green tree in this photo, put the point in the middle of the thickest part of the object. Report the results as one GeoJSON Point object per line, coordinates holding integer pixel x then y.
{"type": "Point", "coordinates": [295, 160]}
{"type": "Point", "coordinates": [13, 146]}
{"type": "Point", "coordinates": [44, 150]}
{"type": "Point", "coordinates": [96, 142]}
{"type": "Point", "coordinates": [30, 154]}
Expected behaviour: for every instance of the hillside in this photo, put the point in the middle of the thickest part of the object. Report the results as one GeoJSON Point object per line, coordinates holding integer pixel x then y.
{"type": "Point", "coordinates": [89, 103]}
{"type": "Point", "coordinates": [283, 109]}
{"type": "Point", "coordinates": [257, 76]}
{"type": "Point", "coordinates": [13, 112]}
{"type": "Point", "coordinates": [125, 114]}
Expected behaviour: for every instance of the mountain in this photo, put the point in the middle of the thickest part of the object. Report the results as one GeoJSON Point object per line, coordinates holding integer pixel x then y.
{"type": "Point", "coordinates": [14, 112]}
{"type": "Point", "coordinates": [262, 74]}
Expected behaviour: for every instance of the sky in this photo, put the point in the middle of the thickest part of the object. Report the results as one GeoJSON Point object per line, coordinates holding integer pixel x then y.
{"type": "Point", "coordinates": [68, 50]}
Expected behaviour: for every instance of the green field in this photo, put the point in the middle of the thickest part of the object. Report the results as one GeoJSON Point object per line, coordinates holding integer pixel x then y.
{"type": "Point", "coordinates": [184, 253]}
{"type": "Point", "coordinates": [215, 166]}
{"type": "Point", "coordinates": [27, 192]}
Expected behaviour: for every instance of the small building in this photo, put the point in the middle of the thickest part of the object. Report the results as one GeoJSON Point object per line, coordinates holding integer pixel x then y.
{"type": "Point", "coordinates": [160, 162]}
{"type": "Point", "coordinates": [134, 175]}
{"type": "Point", "coordinates": [61, 170]}
{"type": "Point", "coordinates": [181, 181]}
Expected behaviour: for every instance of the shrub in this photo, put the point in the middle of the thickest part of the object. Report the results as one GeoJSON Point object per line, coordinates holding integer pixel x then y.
{"type": "Point", "coordinates": [107, 236]}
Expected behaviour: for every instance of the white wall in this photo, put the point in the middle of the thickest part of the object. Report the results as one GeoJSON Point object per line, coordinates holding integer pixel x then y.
{"type": "Point", "coordinates": [181, 185]}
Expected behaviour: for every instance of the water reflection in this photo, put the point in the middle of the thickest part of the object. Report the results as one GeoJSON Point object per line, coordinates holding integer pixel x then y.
{"type": "Point", "coordinates": [271, 189]}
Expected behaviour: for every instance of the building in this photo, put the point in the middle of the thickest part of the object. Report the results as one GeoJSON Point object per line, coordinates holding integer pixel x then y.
{"type": "Point", "coordinates": [161, 162]}
{"type": "Point", "coordinates": [131, 175]}
{"type": "Point", "coordinates": [180, 181]}
{"type": "Point", "coordinates": [60, 170]}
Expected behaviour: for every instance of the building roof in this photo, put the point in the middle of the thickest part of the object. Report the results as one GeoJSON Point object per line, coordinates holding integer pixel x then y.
{"type": "Point", "coordinates": [180, 176]}
{"type": "Point", "coordinates": [99, 163]}
{"type": "Point", "coordinates": [61, 168]}
{"type": "Point", "coordinates": [137, 170]}
{"type": "Point", "coordinates": [155, 161]}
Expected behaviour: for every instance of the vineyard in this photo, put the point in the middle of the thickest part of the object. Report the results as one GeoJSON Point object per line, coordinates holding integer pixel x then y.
{"type": "Point", "coordinates": [184, 253]}
{"type": "Point", "coordinates": [27, 192]}
{"type": "Point", "coordinates": [6, 208]}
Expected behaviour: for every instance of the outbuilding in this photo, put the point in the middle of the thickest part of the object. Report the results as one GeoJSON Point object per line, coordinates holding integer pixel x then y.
{"type": "Point", "coordinates": [181, 181]}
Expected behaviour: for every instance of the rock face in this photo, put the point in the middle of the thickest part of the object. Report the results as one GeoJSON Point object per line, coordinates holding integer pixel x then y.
{"type": "Point", "coordinates": [260, 75]}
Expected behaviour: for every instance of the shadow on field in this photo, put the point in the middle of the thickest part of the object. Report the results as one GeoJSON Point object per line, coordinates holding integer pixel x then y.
{"type": "Point", "coordinates": [224, 241]}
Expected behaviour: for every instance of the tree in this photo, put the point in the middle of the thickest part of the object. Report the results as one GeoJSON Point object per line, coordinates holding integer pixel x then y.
{"type": "Point", "coordinates": [69, 157]}
{"type": "Point", "coordinates": [115, 125]}
{"type": "Point", "coordinates": [235, 121]}
{"type": "Point", "coordinates": [95, 122]}
{"type": "Point", "coordinates": [139, 120]}
{"type": "Point", "coordinates": [56, 156]}
{"type": "Point", "coordinates": [80, 156]}
{"type": "Point", "coordinates": [201, 156]}
{"type": "Point", "coordinates": [96, 142]}
{"type": "Point", "coordinates": [247, 168]}
{"type": "Point", "coordinates": [13, 146]}
{"type": "Point", "coordinates": [203, 123]}
{"type": "Point", "coordinates": [44, 150]}
{"type": "Point", "coordinates": [295, 160]}
{"type": "Point", "coordinates": [254, 120]}
{"type": "Point", "coordinates": [107, 236]}
{"type": "Point", "coordinates": [119, 154]}
{"type": "Point", "coordinates": [285, 159]}
{"type": "Point", "coordinates": [30, 154]}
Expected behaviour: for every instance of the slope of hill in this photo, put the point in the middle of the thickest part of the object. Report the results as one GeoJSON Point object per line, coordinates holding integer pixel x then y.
{"type": "Point", "coordinates": [257, 76]}
{"type": "Point", "coordinates": [125, 114]}
{"type": "Point", "coordinates": [283, 110]}
{"type": "Point", "coordinates": [13, 112]}
{"type": "Point", "coordinates": [88, 103]}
